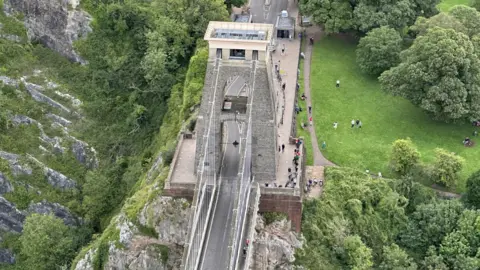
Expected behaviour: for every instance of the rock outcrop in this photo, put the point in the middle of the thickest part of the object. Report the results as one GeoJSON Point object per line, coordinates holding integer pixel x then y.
{"type": "Point", "coordinates": [169, 218]}
{"type": "Point", "coordinates": [274, 246]}
{"type": "Point", "coordinates": [5, 185]}
{"type": "Point", "coordinates": [6, 256]}
{"type": "Point", "coordinates": [11, 219]}
{"type": "Point", "coordinates": [56, 24]}
{"type": "Point", "coordinates": [56, 209]}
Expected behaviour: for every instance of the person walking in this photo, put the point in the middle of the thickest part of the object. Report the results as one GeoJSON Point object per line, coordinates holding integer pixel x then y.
{"type": "Point", "coordinates": [335, 125]}
{"type": "Point", "coordinates": [359, 124]}
{"type": "Point", "coordinates": [283, 148]}
{"type": "Point", "coordinates": [311, 121]}
{"type": "Point", "coordinates": [353, 123]}
{"type": "Point", "coordinates": [311, 41]}
{"type": "Point", "coordinates": [279, 148]}
{"type": "Point", "coordinates": [310, 109]}
{"type": "Point", "coordinates": [283, 49]}
{"type": "Point", "coordinates": [338, 83]}
{"type": "Point", "coordinates": [324, 145]}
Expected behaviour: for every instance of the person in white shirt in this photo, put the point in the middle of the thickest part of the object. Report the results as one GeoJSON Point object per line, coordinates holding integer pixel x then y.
{"type": "Point", "coordinates": [338, 83]}
{"type": "Point", "coordinates": [353, 123]}
{"type": "Point", "coordinates": [335, 125]}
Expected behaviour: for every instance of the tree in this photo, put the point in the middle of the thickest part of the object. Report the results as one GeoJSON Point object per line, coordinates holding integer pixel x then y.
{"type": "Point", "coordinates": [446, 167]}
{"type": "Point", "coordinates": [442, 20]}
{"type": "Point", "coordinates": [395, 258]}
{"type": "Point", "coordinates": [234, 3]}
{"type": "Point", "coordinates": [404, 156]}
{"type": "Point", "coordinates": [475, 4]}
{"type": "Point", "coordinates": [379, 50]}
{"type": "Point", "coordinates": [429, 224]}
{"type": "Point", "coordinates": [440, 73]}
{"type": "Point", "coordinates": [472, 195]}
{"type": "Point", "coordinates": [364, 15]}
{"type": "Point", "coordinates": [45, 243]}
{"type": "Point", "coordinates": [358, 255]}
{"type": "Point", "coordinates": [469, 17]}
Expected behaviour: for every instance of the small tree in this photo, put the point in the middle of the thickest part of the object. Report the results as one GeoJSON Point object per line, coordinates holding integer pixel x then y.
{"type": "Point", "coordinates": [472, 196]}
{"type": "Point", "coordinates": [358, 255]}
{"type": "Point", "coordinates": [404, 156]}
{"type": "Point", "coordinates": [45, 243]}
{"type": "Point", "coordinates": [446, 167]}
{"type": "Point", "coordinates": [395, 258]}
{"type": "Point", "coordinates": [379, 50]}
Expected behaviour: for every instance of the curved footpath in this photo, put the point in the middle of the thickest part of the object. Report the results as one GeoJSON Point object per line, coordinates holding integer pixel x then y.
{"type": "Point", "coordinates": [318, 158]}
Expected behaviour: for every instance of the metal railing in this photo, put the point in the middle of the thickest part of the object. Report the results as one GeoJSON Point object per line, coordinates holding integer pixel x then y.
{"type": "Point", "coordinates": [205, 193]}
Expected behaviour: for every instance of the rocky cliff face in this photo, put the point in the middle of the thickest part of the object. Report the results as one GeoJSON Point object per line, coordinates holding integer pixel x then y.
{"type": "Point", "coordinates": [54, 23]}
{"type": "Point", "coordinates": [155, 243]}
{"type": "Point", "coordinates": [274, 246]}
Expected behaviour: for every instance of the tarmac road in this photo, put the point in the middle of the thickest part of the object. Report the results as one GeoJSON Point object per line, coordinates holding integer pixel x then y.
{"type": "Point", "coordinates": [216, 255]}
{"type": "Point", "coordinates": [267, 14]}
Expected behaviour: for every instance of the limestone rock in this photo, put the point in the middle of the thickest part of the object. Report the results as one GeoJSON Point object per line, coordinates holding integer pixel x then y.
{"type": "Point", "coordinates": [53, 23]}
{"type": "Point", "coordinates": [11, 219]}
{"type": "Point", "coordinates": [6, 256]}
{"type": "Point", "coordinates": [274, 246]}
{"type": "Point", "coordinates": [59, 180]}
{"type": "Point", "coordinates": [127, 230]}
{"type": "Point", "coordinates": [84, 154]}
{"type": "Point", "coordinates": [5, 185]}
{"type": "Point", "coordinates": [145, 254]}
{"type": "Point", "coordinates": [56, 209]}
{"type": "Point", "coordinates": [34, 91]}
{"type": "Point", "coordinates": [9, 81]}
{"type": "Point", "coordinates": [86, 263]}
{"type": "Point", "coordinates": [13, 160]}
{"type": "Point", "coordinates": [21, 119]}
{"type": "Point", "coordinates": [60, 120]}
{"type": "Point", "coordinates": [169, 217]}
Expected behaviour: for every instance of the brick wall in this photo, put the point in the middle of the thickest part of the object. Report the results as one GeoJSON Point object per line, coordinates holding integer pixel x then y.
{"type": "Point", "coordinates": [179, 193]}
{"type": "Point", "coordinates": [282, 203]}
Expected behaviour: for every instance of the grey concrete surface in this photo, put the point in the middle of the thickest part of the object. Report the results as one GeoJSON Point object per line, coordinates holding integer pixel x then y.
{"type": "Point", "coordinates": [185, 163]}
{"type": "Point", "coordinates": [216, 254]}
{"type": "Point", "coordinates": [262, 13]}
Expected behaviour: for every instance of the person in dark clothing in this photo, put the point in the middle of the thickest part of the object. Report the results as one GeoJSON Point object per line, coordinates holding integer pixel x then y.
{"type": "Point", "coordinates": [283, 86]}
{"type": "Point", "coordinates": [310, 109]}
{"type": "Point", "coordinates": [311, 40]}
{"type": "Point", "coordinates": [283, 148]}
{"type": "Point", "coordinates": [235, 143]}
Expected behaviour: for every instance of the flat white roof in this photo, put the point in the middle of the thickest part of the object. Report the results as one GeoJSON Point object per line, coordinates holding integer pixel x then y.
{"type": "Point", "coordinates": [239, 31]}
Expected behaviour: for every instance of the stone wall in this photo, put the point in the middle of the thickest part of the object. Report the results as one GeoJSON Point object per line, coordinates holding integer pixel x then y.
{"type": "Point", "coordinates": [264, 134]}
{"type": "Point", "coordinates": [281, 202]}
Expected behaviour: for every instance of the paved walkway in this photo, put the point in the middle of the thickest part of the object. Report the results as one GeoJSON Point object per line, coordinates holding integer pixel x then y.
{"type": "Point", "coordinates": [318, 158]}
{"type": "Point", "coordinates": [288, 70]}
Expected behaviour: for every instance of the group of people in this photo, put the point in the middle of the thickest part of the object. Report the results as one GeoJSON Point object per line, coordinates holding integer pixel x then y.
{"type": "Point", "coordinates": [312, 183]}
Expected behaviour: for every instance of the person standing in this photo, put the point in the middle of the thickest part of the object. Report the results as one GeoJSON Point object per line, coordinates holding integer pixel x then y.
{"type": "Point", "coordinates": [335, 125]}
{"type": "Point", "coordinates": [311, 121]}
{"type": "Point", "coordinates": [324, 145]}
{"type": "Point", "coordinates": [359, 124]}
{"type": "Point", "coordinates": [283, 148]}
{"type": "Point", "coordinates": [338, 83]}
{"type": "Point", "coordinates": [279, 148]}
{"type": "Point", "coordinates": [310, 109]}
{"type": "Point", "coordinates": [353, 123]}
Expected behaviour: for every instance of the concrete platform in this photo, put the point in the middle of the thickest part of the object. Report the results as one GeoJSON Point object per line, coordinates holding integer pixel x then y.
{"type": "Point", "coordinates": [184, 164]}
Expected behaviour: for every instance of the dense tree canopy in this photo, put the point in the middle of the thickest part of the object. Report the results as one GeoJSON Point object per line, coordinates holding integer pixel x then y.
{"type": "Point", "coordinates": [472, 196]}
{"type": "Point", "coordinates": [379, 50]}
{"type": "Point", "coordinates": [439, 73]}
{"type": "Point", "coordinates": [437, 234]}
{"type": "Point", "coordinates": [364, 15]}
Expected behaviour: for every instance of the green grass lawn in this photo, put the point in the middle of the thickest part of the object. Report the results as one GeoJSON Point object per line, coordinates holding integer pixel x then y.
{"type": "Point", "coordinates": [445, 5]}
{"type": "Point", "coordinates": [302, 117]}
{"type": "Point", "coordinates": [385, 118]}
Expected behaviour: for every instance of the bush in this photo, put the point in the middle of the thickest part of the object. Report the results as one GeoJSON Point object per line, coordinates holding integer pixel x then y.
{"type": "Point", "coordinates": [271, 217]}
{"type": "Point", "coordinates": [446, 167]}
{"type": "Point", "coordinates": [404, 156]}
